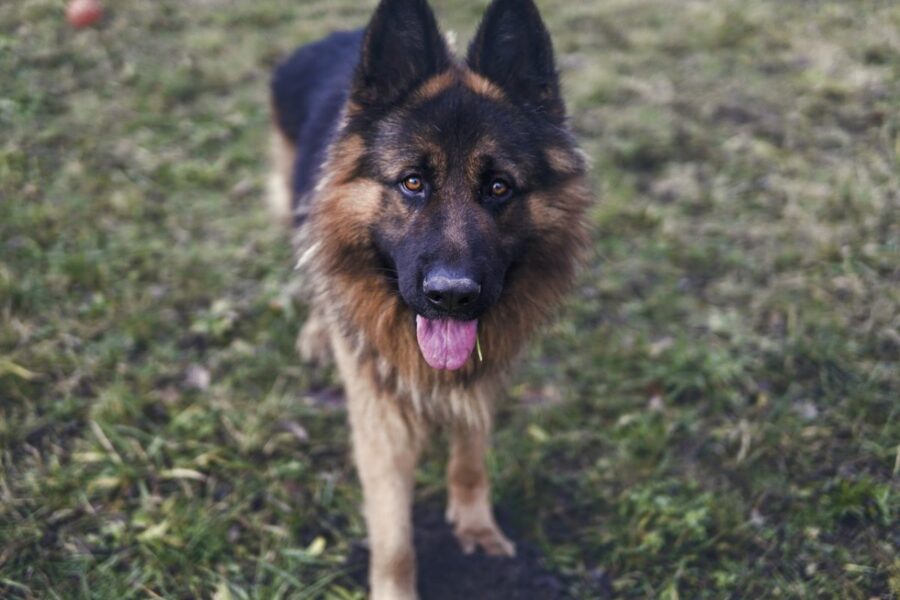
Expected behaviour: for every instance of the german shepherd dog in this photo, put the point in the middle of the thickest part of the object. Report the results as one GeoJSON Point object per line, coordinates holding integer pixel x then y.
{"type": "Point", "coordinates": [440, 209]}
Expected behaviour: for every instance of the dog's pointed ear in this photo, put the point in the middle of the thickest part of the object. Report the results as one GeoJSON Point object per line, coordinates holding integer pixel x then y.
{"type": "Point", "coordinates": [512, 48]}
{"type": "Point", "coordinates": [401, 48]}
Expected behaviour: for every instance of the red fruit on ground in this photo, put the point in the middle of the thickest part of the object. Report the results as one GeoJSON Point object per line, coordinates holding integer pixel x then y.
{"type": "Point", "coordinates": [83, 13]}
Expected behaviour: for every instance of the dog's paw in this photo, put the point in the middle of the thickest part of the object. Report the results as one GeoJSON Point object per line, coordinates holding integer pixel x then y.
{"type": "Point", "coordinates": [474, 527]}
{"type": "Point", "coordinates": [490, 539]}
{"type": "Point", "coordinates": [390, 591]}
{"type": "Point", "coordinates": [314, 343]}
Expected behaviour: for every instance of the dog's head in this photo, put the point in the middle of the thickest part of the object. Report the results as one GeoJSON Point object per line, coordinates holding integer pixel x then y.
{"type": "Point", "coordinates": [466, 168]}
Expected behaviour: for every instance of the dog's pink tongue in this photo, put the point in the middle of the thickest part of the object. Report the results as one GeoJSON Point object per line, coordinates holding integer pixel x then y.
{"type": "Point", "coordinates": [445, 343]}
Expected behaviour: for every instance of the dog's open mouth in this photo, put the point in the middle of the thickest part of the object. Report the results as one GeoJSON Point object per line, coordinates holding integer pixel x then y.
{"type": "Point", "coordinates": [446, 343]}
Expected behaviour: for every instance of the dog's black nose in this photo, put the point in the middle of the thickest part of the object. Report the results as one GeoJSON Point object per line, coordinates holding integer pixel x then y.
{"type": "Point", "coordinates": [449, 293]}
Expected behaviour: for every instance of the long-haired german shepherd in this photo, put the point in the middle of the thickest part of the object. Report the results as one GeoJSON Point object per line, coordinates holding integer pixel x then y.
{"type": "Point", "coordinates": [440, 210]}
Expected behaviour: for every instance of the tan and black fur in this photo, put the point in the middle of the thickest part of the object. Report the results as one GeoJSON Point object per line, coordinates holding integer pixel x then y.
{"type": "Point", "coordinates": [394, 101]}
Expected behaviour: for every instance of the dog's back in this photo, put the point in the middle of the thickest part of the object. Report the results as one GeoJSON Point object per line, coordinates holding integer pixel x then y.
{"type": "Point", "coordinates": [309, 90]}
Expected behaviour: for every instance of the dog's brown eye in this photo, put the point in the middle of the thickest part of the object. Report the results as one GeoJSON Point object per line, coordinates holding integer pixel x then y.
{"type": "Point", "coordinates": [413, 184]}
{"type": "Point", "coordinates": [499, 189]}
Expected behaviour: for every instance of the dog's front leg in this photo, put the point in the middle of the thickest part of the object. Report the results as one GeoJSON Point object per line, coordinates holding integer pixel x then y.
{"type": "Point", "coordinates": [386, 454]}
{"type": "Point", "coordinates": [469, 503]}
{"type": "Point", "coordinates": [386, 448]}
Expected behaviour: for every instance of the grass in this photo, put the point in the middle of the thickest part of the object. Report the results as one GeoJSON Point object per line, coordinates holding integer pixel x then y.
{"type": "Point", "coordinates": [715, 415]}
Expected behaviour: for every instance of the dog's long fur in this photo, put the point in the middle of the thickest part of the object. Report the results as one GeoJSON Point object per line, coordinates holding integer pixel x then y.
{"type": "Point", "coordinates": [349, 112]}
